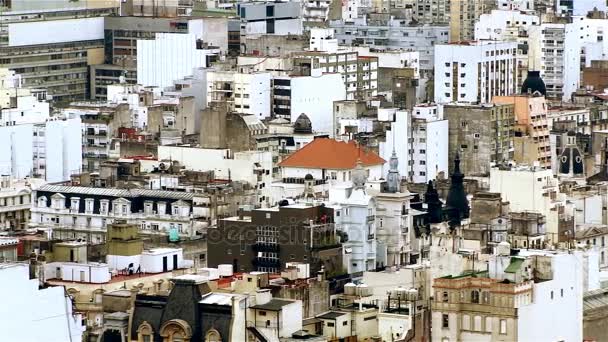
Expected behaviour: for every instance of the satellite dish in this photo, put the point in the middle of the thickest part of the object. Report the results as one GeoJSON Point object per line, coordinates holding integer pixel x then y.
{"type": "Point", "coordinates": [162, 166]}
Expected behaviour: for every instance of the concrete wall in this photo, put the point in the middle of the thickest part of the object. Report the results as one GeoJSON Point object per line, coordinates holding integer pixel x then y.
{"type": "Point", "coordinates": [55, 31]}
{"type": "Point", "coordinates": [37, 315]}
{"type": "Point", "coordinates": [169, 57]}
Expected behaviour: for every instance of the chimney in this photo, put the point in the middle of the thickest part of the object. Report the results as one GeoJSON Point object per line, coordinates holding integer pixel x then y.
{"type": "Point", "coordinates": [240, 213]}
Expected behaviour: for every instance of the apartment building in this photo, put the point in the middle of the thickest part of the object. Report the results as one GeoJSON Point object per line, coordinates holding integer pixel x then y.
{"type": "Point", "coordinates": [480, 134]}
{"type": "Point", "coordinates": [245, 93]}
{"type": "Point", "coordinates": [475, 72]}
{"type": "Point", "coordinates": [315, 13]}
{"type": "Point", "coordinates": [121, 36]}
{"type": "Point", "coordinates": [513, 301]}
{"type": "Point", "coordinates": [431, 11]}
{"type": "Point", "coordinates": [510, 25]}
{"type": "Point", "coordinates": [48, 149]}
{"type": "Point", "coordinates": [73, 212]}
{"type": "Point", "coordinates": [390, 33]}
{"type": "Point", "coordinates": [271, 237]}
{"type": "Point", "coordinates": [312, 96]}
{"type": "Point", "coordinates": [531, 114]}
{"type": "Point", "coordinates": [359, 73]}
{"type": "Point", "coordinates": [280, 18]}
{"type": "Point", "coordinates": [463, 15]}
{"type": "Point", "coordinates": [57, 62]}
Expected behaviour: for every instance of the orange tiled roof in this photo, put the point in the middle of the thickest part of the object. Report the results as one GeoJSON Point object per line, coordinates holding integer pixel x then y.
{"type": "Point", "coordinates": [324, 153]}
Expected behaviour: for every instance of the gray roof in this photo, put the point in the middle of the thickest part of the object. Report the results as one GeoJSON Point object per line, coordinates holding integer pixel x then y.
{"type": "Point", "coordinates": [596, 299]}
{"type": "Point", "coordinates": [331, 315]}
{"type": "Point", "coordinates": [126, 193]}
{"type": "Point", "coordinates": [273, 305]}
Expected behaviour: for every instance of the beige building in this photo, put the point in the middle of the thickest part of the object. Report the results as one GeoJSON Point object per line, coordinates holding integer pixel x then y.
{"type": "Point", "coordinates": [531, 120]}
{"type": "Point", "coordinates": [464, 14]}
{"type": "Point", "coordinates": [473, 308]}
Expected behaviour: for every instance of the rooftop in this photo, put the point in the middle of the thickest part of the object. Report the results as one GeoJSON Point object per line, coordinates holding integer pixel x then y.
{"type": "Point", "coordinates": [273, 305]}
{"type": "Point", "coordinates": [114, 192]}
{"type": "Point", "coordinates": [323, 153]}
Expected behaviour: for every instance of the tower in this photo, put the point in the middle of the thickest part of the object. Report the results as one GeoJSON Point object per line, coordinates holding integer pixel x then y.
{"type": "Point", "coordinates": [433, 204]}
{"type": "Point", "coordinates": [393, 179]}
{"type": "Point", "coordinates": [457, 198]}
{"type": "Point", "coordinates": [571, 159]}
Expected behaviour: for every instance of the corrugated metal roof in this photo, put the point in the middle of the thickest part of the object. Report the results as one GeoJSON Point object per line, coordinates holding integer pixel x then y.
{"type": "Point", "coordinates": [515, 265]}
{"type": "Point", "coordinates": [126, 193]}
{"type": "Point", "coordinates": [596, 299]}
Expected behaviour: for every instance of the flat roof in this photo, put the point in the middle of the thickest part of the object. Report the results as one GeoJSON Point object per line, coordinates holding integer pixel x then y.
{"type": "Point", "coordinates": [273, 305]}
{"type": "Point", "coordinates": [219, 298]}
{"type": "Point", "coordinates": [331, 315]}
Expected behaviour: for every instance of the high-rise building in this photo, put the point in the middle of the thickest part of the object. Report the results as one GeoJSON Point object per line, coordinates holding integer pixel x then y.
{"type": "Point", "coordinates": [464, 14]}
{"type": "Point", "coordinates": [474, 72]}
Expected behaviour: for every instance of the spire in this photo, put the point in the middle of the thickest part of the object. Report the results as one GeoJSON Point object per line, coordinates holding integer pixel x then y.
{"type": "Point", "coordinates": [359, 176]}
{"type": "Point", "coordinates": [433, 204]}
{"type": "Point", "coordinates": [393, 180]}
{"type": "Point", "coordinates": [457, 198]}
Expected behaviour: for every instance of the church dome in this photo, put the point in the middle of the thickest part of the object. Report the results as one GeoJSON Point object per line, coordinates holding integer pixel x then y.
{"type": "Point", "coordinates": [302, 124]}
{"type": "Point", "coordinates": [533, 83]}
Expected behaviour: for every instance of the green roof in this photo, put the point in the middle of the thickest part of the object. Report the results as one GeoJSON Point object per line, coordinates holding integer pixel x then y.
{"type": "Point", "coordinates": [515, 265]}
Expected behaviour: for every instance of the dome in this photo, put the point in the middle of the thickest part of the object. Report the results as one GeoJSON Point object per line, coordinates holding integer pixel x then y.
{"type": "Point", "coordinates": [302, 124]}
{"type": "Point", "coordinates": [308, 177]}
{"type": "Point", "coordinates": [571, 133]}
{"type": "Point", "coordinates": [533, 84]}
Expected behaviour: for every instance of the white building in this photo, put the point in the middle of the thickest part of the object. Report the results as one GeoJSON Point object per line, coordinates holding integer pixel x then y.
{"type": "Point", "coordinates": [169, 57]}
{"type": "Point", "coordinates": [420, 141]}
{"type": "Point", "coordinates": [278, 18]}
{"type": "Point", "coordinates": [559, 51]}
{"type": "Point", "coordinates": [325, 163]}
{"type": "Point", "coordinates": [579, 7]}
{"type": "Point", "coordinates": [36, 314]}
{"type": "Point", "coordinates": [356, 216]}
{"type": "Point", "coordinates": [253, 167]}
{"type": "Point", "coordinates": [246, 93]}
{"type": "Point", "coordinates": [394, 35]}
{"type": "Point", "coordinates": [541, 196]}
{"type": "Point", "coordinates": [73, 212]}
{"type": "Point", "coordinates": [315, 96]}
{"type": "Point", "coordinates": [468, 72]}
{"type": "Point", "coordinates": [51, 150]}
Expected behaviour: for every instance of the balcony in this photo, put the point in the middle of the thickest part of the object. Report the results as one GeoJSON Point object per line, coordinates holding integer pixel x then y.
{"type": "Point", "coordinates": [371, 218]}
{"type": "Point", "coordinates": [266, 262]}
{"type": "Point", "coordinates": [266, 247]}
{"type": "Point", "coordinates": [370, 236]}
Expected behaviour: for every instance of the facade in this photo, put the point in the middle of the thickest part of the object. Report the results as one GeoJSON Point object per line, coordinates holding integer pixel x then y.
{"type": "Point", "coordinates": [463, 15]}
{"type": "Point", "coordinates": [246, 93]}
{"type": "Point", "coordinates": [508, 304]}
{"type": "Point", "coordinates": [431, 11]}
{"type": "Point", "coordinates": [481, 135]}
{"type": "Point", "coordinates": [312, 96]}
{"type": "Point", "coordinates": [57, 62]}
{"type": "Point", "coordinates": [71, 212]}
{"type": "Point", "coordinates": [268, 238]}
{"type": "Point", "coordinates": [359, 73]}
{"type": "Point", "coordinates": [531, 119]}
{"type": "Point", "coordinates": [28, 149]}
{"type": "Point", "coordinates": [393, 34]}
{"type": "Point", "coordinates": [179, 53]}
{"type": "Point", "coordinates": [280, 18]}
{"type": "Point", "coordinates": [45, 314]}
{"type": "Point", "coordinates": [475, 72]}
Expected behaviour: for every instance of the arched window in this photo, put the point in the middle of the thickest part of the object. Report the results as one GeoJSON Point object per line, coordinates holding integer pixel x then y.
{"type": "Point", "coordinates": [445, 296]}
{"type": "Point", "coordinates": [176, 330]}
{"type": "Point", "coordinates": [145, 333]}
{"type": "Point", "coordinates": [475, 296]}
{"type": "Point", "coordinates": [213, 336]}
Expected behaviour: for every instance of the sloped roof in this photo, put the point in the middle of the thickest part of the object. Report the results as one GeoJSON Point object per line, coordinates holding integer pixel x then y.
{"type": "Point", "coordinates": [324, 153]}
{"type": "Point", "coordinates": [592, 231]}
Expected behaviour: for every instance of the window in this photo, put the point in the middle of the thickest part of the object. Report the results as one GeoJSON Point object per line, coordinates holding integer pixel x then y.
{"type": "Point", "coordinates": [445, 296]}
{"type": "Point", "coordinates": [503, 326]}
{"type": "Point", "coordinates": [445, 321]}
{"type": "Point", "coordinates": [330, 324]}
{"type": "Point", "coordinates": [488, 324]}
{"type": "Point", "coordinates": [262, 313]}
{"type": "Point", "coordinates": [477, 323]}
{"type": "Point", "coordinates": [551, 294]}
{"type": "Point", "coordinates": [466, 322]}
{"type": "Point", "coordinates": [344, 323]}
{"type": "Point", "coordinates": [475, 296]}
